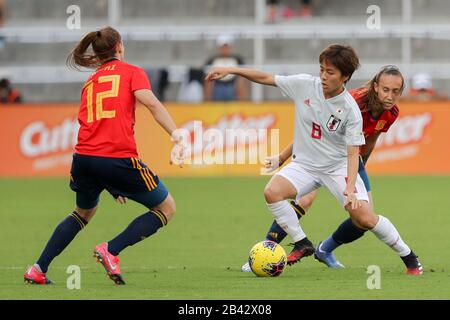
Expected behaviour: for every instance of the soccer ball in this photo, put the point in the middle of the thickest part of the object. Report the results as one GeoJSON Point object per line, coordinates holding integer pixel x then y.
{"type": "Point", "coordinates": [267, 259]}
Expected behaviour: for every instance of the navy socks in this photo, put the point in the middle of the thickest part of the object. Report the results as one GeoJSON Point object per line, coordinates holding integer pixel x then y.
{"type": "Point", "coordinates": [347, 232]}
{"type": "Point", "coordinates": [140, 228]}
{"type": "Point", "coordinates": [64, 233]}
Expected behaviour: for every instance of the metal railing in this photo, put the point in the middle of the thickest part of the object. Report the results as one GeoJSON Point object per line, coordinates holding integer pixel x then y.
{"type": "Point", "coordinates": [257, 31]}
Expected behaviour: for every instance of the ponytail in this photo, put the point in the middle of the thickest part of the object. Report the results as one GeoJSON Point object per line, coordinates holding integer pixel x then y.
{"type": "Point", "coordinates": [79, 58]}
{"type": "Point", "coordinates": [103, 46]}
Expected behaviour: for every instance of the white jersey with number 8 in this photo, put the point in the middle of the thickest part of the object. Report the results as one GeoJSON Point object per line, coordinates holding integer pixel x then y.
{"type": "Point", "coordinates": [323, 127]}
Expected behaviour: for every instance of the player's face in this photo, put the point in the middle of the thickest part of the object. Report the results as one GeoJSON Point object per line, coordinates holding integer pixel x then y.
{"type": "Point", "coordinates": [389, 89]}
{"type": "Point", "coordinates": [332, 79]}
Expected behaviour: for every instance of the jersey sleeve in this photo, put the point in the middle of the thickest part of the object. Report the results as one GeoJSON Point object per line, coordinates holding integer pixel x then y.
{"type": "Point", "coordinates": [140, 80]}
{"type": "Point", "coordinates": [295, 86]}
{"type": "Point", "coordinates": [354, 129]}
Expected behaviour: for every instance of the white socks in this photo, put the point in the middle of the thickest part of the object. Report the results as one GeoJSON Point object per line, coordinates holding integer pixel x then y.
{"type": "Point", "coordinates": [386, 232]}
{"type": "Point", "coordinates": [287, 219]}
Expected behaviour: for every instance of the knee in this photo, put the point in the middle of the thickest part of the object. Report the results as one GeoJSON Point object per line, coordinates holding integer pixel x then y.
{"type": "Point", "coordinates": [366, 222]}
{"type": "Point", "coordinates": [169, 210]}
{"type": "Point", "coordinates": [272, 195]}
{"type": "Point", "coordinates": [86, 214]}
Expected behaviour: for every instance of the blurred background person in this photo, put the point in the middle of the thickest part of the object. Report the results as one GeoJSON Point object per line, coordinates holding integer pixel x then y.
{"type": "Point", "coordinates": [2, 22]}
{"type": "Point", "coordinates": [191, 89]}
{"type": "Point", "coordinates": [422, 88]}
{"type": "Point", "coordinates": [2, 13]}
{"type": "Point", "coordinates": [274, 10]}
{"type": "Point", "coordinates": [230, 88]}
{"type": "Point", "coordinates": [7, 93]}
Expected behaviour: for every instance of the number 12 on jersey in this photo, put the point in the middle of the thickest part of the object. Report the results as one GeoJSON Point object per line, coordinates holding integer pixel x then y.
{"type": "Point", "coordinates": [113, 92]}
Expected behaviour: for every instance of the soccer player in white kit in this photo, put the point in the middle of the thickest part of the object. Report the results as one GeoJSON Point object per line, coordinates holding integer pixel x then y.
{"type": "Point", "coordinates": [327, 137]}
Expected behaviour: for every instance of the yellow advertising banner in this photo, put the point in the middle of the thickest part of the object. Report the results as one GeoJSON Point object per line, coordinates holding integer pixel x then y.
{"type": "Point", "coordinates": [417, 143]}
{"type": "Point", "coordinates": [224, 139]}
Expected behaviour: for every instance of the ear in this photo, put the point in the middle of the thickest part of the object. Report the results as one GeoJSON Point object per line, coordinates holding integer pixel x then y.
{"type": "Point", "coordinates": [375, 87]}
{"type": "Point", "coordinates": [346, 78]}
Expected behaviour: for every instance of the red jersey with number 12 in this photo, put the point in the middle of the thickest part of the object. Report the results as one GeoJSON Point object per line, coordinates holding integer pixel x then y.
{"type": "Point", "coordinates": [371, 125]}
{"type": "Point", "coordinates": [107, 111]}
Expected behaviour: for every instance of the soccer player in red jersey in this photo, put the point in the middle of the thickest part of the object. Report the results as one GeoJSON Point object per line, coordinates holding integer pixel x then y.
{"type": "Point", "coordinates": [377, 102]}
{"type": "Point", "coordinates": [106, 157]}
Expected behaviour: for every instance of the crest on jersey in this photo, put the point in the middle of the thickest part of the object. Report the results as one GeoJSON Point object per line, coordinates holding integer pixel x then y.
{"type": "Point", "coordinates": [307, 102]}
{"type": "Point", "coordinates": [380, 125]}
{"type": "Point", "coordinates": [333, 123]}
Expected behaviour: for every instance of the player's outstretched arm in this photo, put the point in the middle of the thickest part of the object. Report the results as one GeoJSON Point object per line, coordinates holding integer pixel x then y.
{"type": "Point", "coordinates": [159, 112]}
{"type": "Point", "coordinates": [253, 75]}
{"type": "Point", "coordinates": [162, 116]}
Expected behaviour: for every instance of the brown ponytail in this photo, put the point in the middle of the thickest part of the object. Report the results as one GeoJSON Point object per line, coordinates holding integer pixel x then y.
{"type": "Point", "coordinates": [372, 96]}
{"type": "Point", "coordinates": [103, 46]}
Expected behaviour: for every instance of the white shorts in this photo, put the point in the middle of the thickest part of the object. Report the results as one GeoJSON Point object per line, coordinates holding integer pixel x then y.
{"type": "Point", "coordinates": [305, 181]}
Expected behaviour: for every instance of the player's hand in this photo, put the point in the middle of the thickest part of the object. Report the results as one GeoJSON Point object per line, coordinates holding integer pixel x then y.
{"type": "Point", "coordinates": [121, 200]}
{"type": "Point", "coordinates": [352, 200]}
{"type": "Point", "coordinates": [178, 153]}
{"type": "Point", "coordinates": [217, 73]}
{"type": "Point", "coordinates": [272, 163]}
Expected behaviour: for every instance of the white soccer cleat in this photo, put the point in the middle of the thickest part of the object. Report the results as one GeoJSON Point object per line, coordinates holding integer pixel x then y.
{"type": "Point", "coordinates": [246, 267]}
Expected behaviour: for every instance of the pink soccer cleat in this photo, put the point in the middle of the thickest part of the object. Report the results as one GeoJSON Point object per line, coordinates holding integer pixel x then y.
{"type": "Point", "coordinates": [34, 276]}
{"type": "Point", "coordinates": [109, 262]}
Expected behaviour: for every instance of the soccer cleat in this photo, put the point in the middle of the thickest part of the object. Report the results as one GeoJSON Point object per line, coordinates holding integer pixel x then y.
{"type": "Point", "coordinates": [246, 267]}
{"type": "Point", "coordinates": [34, 276]}
{"type": "Point", "coordinates": [109, 262]}
{"type": "Point", "coordinates": [327, 258]}
{"type": "Point", "coordinates": [302, 248]}
{"type": "Point", "coordinates": [413, 265]}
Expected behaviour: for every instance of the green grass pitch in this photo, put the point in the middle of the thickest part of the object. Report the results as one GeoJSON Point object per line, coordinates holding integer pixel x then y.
{"type": "Point", "coordinates": [199, 254]}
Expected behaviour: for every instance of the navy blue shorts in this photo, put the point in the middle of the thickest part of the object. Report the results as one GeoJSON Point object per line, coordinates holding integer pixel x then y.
{"type": "Point", "coordinates": [363, 174]}
{"type": "Point", "coordinates": [126, 177]}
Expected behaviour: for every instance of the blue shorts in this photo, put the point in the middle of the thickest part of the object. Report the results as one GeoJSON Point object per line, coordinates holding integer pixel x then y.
{"type": "Point", "coordinates": [224, 91]}
{"type": "Point", "coordinates": [363, 174]}
{"type": "Point", "coordinates": [126, 177]}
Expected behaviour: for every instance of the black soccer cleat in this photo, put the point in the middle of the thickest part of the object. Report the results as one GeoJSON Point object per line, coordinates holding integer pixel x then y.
{"type": "Point", "coordinates": [413, 265]}
{"type": "Point", "coordinates": [302, 248]}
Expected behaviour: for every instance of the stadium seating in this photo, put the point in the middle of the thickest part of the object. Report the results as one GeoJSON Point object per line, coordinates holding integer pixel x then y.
{"type": "Point", "coordinates": [19, 60]}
